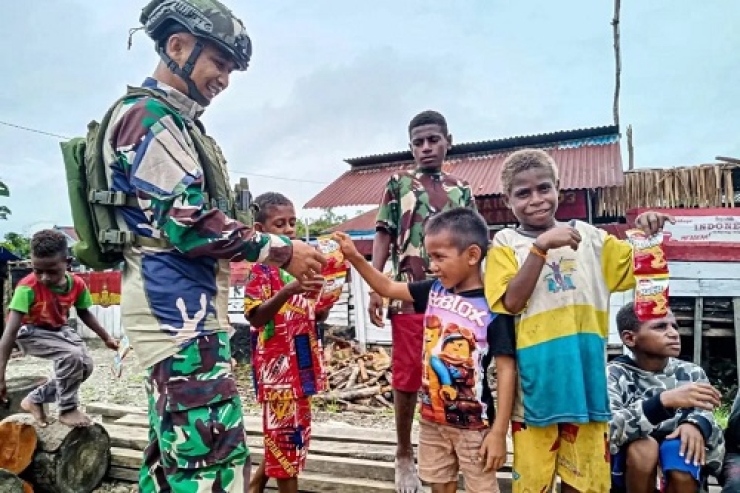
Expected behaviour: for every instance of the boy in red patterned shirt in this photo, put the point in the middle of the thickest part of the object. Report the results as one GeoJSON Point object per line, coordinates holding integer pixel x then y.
{"type": "Point", "coordinates": [286, 353]}
{"type": "Point", "coordinates": [37, 322]}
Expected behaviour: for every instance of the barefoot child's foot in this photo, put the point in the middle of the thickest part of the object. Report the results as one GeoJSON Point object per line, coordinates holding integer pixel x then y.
{"type": "Point", "coordinates": [407, 479]}
{"type": "Point", "coordinates": [35, 410]}
{"type": "Point", "coordinates": [74, 418]}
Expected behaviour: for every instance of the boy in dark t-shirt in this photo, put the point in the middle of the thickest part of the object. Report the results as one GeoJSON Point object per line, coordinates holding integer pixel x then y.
{"type": "Point", "coordinates": [459, 430]}
{"type": "Point", "coordinates": [37, 322]}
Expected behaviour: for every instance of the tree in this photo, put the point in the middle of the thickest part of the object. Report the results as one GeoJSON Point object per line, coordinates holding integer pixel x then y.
{"type": "Point", "coordinates": [18, 244]}
{"type": "Point", "coordinates": [327, 220]}
{"type": "Point", "coordinates": [4, 192]}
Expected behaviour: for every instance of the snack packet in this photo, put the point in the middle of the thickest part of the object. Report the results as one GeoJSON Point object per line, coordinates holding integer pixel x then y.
{"type": "Point", "coordinates": [123, 348]}
{"type": "Point", "coordinates": [334, 274]}
{"type": "Point", "coordinates": [651, 274]}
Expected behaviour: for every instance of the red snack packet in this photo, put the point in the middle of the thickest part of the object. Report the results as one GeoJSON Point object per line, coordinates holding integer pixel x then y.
{"type": "Point", "coordinates": [334, 274]}
{"type": "Point", "coordinates": [650, 269]}
{"type": "Point", "coordinates": [651, 298]}
{"type": "Point", "coordinates": [648, 255]}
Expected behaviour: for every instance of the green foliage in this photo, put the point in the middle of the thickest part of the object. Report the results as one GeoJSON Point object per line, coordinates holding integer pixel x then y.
{"type": "Point", "coordinates": [327, 220]}
{"type": "Point", "coordinates": [18, 244]}
{"type": "Point", "coordinates": [4, 192]}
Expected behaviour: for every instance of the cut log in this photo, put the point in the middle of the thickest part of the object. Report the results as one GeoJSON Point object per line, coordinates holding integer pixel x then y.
{"type": "Point", "coordinates": [18, 389]}
{"type": "Point", "coordinates": [67, 459]}
{"type": "Point", "coordinates": [10, 483]}
{"type": "Point", "coordinates": [17, 445]}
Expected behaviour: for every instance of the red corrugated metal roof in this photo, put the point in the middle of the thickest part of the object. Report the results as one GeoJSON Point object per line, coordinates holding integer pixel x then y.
{"type": "Point", "coordinates": [363, 222]}
{"type": "Point", "coordinates": [69, 231]}
{"type": "Point", "coordinates": [585, 166]}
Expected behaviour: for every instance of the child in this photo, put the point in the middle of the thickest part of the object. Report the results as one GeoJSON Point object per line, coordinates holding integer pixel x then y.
{"type": "Point", "coordinates": [731, 466]}
{"type": "Point", "coordinates": [459, 430]}
{"type": "Point", "coordinates": [661, 411]}
{"type": "Point", "coordinates": [37, 323]}
{"type": "Point", "coordinates": [557, 278]}
{"type": "Point", "coordinates": [286, 354]}
{"type": "Point", "coordinates": [410, 197]}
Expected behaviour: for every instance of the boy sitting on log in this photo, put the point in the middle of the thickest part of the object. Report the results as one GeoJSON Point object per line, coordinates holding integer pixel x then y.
{"type": "Point", "coordinates": [286, 353]}
{"type": "Point", "coordinates": [37, 323]}
{"type": "Point", "coordinates": [460, 430]}
{"type": "Point", "coordinates": [661, 411]}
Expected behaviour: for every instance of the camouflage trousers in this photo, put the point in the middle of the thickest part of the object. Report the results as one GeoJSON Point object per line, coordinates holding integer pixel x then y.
{"type": "Point", "coordinates": [197, 441]}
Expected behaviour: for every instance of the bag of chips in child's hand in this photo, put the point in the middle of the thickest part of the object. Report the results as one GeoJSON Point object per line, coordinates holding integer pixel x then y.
{"type": "Point", "coordinates": [334, 274]}
{"type": "Point", "coordinates": [650, 269]}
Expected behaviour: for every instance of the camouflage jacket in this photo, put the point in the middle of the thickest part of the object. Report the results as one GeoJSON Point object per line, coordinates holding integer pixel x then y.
{"type": "Point", "coordinates": [410, 198]}
{"type": "Point", "coordinates": [171, 297]}
{"type": "Point", "coordinates": [637, 412]}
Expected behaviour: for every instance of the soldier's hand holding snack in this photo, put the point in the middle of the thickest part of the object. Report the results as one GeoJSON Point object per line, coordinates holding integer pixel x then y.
{"type": "Point", "coordinates": [652, 222]}
{"type": "Point", "coordinates": [306, 261]}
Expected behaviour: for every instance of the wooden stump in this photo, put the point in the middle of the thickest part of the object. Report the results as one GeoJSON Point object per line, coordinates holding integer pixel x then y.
{"type": "Point", "coordinates": [10, 483]}
{"type": "Point", "coordinates": [17, 446]}
{"type": "Point", "coordinates": [18, 389]}
{"type": "Point", "coordinates": [67, 459]}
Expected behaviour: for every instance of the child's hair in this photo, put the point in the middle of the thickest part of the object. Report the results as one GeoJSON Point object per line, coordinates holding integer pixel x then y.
{"type": "Point", "coordinates": [627, 319]}
{"type": "Point", "coordinates": [466, 227]}
{"type": "Point", "coordinates": [49, 243]}
{"type": "Point", "coordinates": [524, 160]}
{"type": "Point", "coordinates": [266, 201]}
{"type": "Point", "coordinates": [429, 117]}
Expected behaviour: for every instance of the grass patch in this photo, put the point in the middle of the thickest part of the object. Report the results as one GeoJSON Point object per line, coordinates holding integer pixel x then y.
{"type": "Point", "coordinates": [722, 415]}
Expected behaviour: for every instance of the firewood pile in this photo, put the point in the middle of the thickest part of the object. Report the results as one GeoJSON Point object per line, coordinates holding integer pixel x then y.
{"type": "Point", "coordinates": [709, 185]}
{"type": "Point", "coordinates": [358, 381]}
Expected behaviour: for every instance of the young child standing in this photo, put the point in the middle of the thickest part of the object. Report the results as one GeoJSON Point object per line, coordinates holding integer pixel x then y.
{"type": "Point", "coordinates": [410, 197]}
{"type": "Point", "coordinates": [460, 430]}
{"type": "Point", "coordinates": [286, 353]}
{"type": "Point", "coordinates": [557, 278]}
{"type": "Point", "coordinates": [661, 411]}
{"type": "Point", "coordinates": [37, 323]}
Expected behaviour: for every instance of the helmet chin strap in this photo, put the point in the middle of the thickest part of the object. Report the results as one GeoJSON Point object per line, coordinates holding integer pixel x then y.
{"type": "Point", "coordinates": [186, 71]}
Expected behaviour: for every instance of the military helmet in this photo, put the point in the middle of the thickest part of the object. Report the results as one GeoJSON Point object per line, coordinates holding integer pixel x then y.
{"type": "Point", "coordinates": [206, 19]}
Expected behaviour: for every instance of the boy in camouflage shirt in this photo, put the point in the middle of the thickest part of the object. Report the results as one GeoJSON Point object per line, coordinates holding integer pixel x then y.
{"type": "Point", "coordinates": [661, 411]}
{"type": "Point", "coordinates": [409, 200]}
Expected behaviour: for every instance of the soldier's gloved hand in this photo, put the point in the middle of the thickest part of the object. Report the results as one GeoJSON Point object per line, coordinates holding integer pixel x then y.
{"type": "Point", "coordinates": [306, 261]}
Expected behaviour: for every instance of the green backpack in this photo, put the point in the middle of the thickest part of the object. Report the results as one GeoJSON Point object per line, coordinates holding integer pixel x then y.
{"type": "Point", "coordinates": [101, 241]}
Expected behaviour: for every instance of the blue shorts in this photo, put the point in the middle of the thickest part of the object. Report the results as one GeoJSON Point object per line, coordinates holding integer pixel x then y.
{"type": "Point", "coordinates": [670, 460]}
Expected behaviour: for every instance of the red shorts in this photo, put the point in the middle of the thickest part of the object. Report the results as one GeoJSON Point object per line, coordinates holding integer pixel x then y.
{"type": "Point", "coordinates": [287, 428]}
{"type": "Point", "coordinates": [407, 331]}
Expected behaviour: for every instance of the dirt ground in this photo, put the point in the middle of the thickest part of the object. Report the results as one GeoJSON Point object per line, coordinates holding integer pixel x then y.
{"type": "Point", "coordinates": [102, 386]}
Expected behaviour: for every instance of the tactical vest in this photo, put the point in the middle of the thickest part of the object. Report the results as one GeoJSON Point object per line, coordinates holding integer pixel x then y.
{"type": "Point", "coordinates": [101, 240]}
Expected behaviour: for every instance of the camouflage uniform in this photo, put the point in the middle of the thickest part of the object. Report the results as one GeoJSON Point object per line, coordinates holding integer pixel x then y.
{"type": "Point", "coordinates": [174, 301]}
{"type": "Point", "coordinates": [409, 200]}
{"type": "Point", "coordinates": [637, 412]}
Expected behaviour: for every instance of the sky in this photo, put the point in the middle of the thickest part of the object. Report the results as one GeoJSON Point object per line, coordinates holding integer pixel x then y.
{"type": "Point", "coordinates": [333, 80]}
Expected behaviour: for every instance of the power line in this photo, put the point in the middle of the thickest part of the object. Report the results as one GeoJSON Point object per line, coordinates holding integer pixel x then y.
{"type": "Point", "coordinates": [236, 172]}
{"type": "Point", "coordinates": [34, 130]}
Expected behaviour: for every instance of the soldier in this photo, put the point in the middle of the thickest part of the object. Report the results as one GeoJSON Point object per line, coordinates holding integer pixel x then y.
{"type": "Point", "coordinates": [410, 198]}
{"type": "Point", "coordinates": [184, 222]}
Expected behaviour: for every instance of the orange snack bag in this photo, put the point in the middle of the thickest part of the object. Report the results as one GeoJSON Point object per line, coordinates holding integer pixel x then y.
{"type": "Point", "coordinates": [650, 269]}
{"type": "Point", "coordinates": [334, 274]}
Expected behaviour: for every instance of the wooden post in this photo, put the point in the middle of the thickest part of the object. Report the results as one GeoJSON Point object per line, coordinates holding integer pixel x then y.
{"type": "Point", "coordinates": [617, 60]}
{"type": "Point", "coordinates": [736, 313]}
{"type": "Point", "coordinates": [698, 315]}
